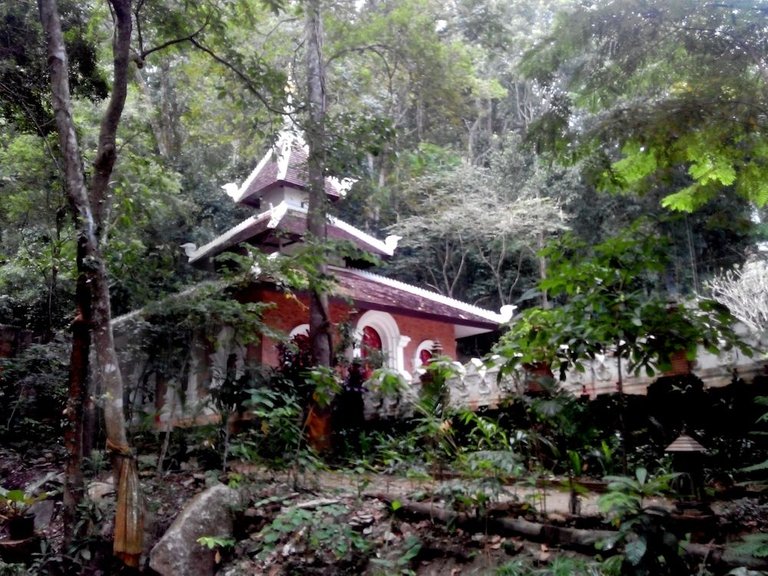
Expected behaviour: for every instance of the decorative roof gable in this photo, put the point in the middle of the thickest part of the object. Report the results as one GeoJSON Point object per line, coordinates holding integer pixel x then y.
{"type": "Point", "coordinates": [284, 165]}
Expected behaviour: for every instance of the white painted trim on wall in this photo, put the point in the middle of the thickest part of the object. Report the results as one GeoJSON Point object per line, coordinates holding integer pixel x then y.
{"type": "Point", "coordinates": [393, 342]}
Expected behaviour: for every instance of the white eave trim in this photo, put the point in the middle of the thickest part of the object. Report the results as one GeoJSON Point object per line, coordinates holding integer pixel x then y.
{"type": "Point", "coordinates": [240, 194]}
{"type": "Point", "coordinates": [223, 241]}
{"type": "Point", "coordinates": [275, 215]}
{"type": "Point", "coordinates": [502, 317]}
{"type": "Point", "coordinates": [385, 248]}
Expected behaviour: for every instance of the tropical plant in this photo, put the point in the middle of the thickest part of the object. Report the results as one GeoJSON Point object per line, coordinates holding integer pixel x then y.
{"type": "Point", "coordinates": [649, 545]}
{"type": "Point", "coordinates": [608, 300]}
{"type": "Point", "coordinates": [322, 530]}
{"type": "Point", "coordinates": [16, 503]}
{"type": "Point", "coordinates": [33, 393]}
{"type": "Point", "coordinates": [761, 466]}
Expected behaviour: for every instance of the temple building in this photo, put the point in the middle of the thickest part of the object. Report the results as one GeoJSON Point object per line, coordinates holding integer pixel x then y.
{"type": "Point", "coordinates": [402, 322]}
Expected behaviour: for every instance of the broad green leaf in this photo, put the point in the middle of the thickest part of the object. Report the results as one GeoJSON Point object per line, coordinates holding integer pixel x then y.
{"type": "Point", "coordinates": [635, 550]}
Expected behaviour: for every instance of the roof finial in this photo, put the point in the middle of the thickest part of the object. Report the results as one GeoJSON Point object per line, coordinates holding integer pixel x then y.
{"type": "Point", "coordinates": [289, 123]}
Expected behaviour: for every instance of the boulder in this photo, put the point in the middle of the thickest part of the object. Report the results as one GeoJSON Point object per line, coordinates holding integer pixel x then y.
{"type": "Point", "coordinates": [210, 513]}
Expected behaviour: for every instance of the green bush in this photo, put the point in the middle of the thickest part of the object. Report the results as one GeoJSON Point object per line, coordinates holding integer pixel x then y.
{"type": "Point", "coordinates": [33, 392]}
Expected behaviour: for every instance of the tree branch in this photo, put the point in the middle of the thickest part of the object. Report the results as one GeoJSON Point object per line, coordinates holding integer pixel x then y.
{"type": "Point", "coordinates": [231, 67]}
{"type": "Point", "coordinates": [144, 53]}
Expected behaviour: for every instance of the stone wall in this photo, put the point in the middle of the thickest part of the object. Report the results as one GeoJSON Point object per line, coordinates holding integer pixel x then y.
{"type": "Point", "coordinates": [479, 386]}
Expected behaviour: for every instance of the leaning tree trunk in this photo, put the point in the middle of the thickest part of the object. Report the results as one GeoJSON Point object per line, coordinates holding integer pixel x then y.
{"type": "Point", "coordinates": [90, 208]}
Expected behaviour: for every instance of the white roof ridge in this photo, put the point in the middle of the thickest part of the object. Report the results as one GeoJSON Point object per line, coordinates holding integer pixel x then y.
{"type": "Point", "coordinates": [275, 215]}
{"type": "Point", "coordinates": [280, 151]}
{"type": "Point", "coordinates": [357, 233]}
{"type": "Point", "coordinates": [497, 317]}
{"type": "Point", "coordinates": [222, 238]}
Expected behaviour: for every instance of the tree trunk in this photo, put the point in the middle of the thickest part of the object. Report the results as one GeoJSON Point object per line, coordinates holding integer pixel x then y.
{"type": "Point", "coordinates": [318, 420]}
{"type": "Point", "coordinates": [78, 384]}
{"type": "Point", "coordinates": [625, 439]}
{"type": "Point", "coordinates": [319, 324]}
{"type": "Point", "coordinates": [91, 208]}
{"type": "Point", "coordinates": [581, 539]}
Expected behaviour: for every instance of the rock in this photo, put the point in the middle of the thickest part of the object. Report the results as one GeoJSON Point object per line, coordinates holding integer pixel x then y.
{"type": "Point", "coordinates": [43, 512]}
{"type": "Point", "coordinates": [99, 491]}
{"type": "Point", "coordinates": [209, 513]}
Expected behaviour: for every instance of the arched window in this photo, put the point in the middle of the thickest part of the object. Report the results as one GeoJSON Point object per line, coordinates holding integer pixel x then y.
{"type": "Point", "coordinates": [424, 353]}
{"type": "Point", "coordinates": [296, 353]}
{"type": "Point", "coordinates": [372, 351]}
{"type": "Point", "coordinates": [371, 342]}
{"type": "Point", "coordinates": [379, 331]}
{"type": "Point", "coordinates": [300, 330]}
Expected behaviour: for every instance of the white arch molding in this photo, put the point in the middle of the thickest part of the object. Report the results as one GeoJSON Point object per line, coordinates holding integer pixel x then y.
{"type": "Point", "coordinates": [392, 342]}
{"type": "Point", "coordinates": [300, 330]}
{"type": "Point", "coordinates": [424, 345]}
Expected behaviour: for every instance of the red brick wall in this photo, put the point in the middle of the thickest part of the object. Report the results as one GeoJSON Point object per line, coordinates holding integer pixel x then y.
{"type": "Point", "coordinates": [291, 310]}
{"type": "Point", "coordinates": [419, 330]}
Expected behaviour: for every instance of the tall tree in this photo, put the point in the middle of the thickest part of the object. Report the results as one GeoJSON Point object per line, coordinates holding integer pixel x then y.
{"type": "Point", "coordinates": [475, 232]}
{"type": "Point", "coordinates": [319, 317]}
{"type": "Point", "coordinates": [91, 197]}
{"type": "Point", "coordinates": [90, 205]}
{"type": "Point", "coordinates": [395, 62]}
{"type": "Point", "coordinates": [743, 291]}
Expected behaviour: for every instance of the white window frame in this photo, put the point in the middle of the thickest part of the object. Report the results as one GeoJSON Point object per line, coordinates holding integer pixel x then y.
{"type": "Point", "coordinates": [392, 342]}
{"type": "Point", "coordinates": [428, 345]}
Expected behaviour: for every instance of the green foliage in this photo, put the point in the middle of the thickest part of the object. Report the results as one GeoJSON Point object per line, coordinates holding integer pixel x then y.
{"type": "Point", "coordinates": [512, 568]}
{"type": "Point", "coordinates": [36, 239]}
{"type": "Point", "coordinates": [673, 84]}
{"type": "Point", "coordinates": [149, 220]}
{"type": "Point", "coordinates": [755, 545]}
{"type": "Point", "coordinates": [214, 542]}
{"type": "Point", "coordinates": [760, 466]}
{"type": "Point", "coordinates": [398, 561]}
{"type": "Point", "coordinates": [485, 433]}
{"type": "Point", "coordinates": [626, 494]}
{"type": "Point", "coordinates": [23, 72]}
{"type": "Point", "coordinates": [322, 530]}
{"type": "Point", "coordinates": [386, 382]}
{"type": "Point", "coordinates": [426, 73]}
{"type": "Point", "coordinates": [277, 428]}
{"type": "Point", "coordinates": [433, 395]}
{"type": "Point", "coordinates": [13, 569]}
{"type": "Point", "coordinates": [559, 565]}
{"type": "Point", "coordinates": [326, 385]}
{"type": "Point", "coordinates": [33, 391]}
{"type": "Point", "coordinates": [649, 547]}
{"type": "Point", "coordinates": [610, 298]}
{"type": "Point", "coordinates": [16, 503]}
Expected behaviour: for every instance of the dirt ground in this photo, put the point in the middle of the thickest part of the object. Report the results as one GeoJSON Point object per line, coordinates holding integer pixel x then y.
{"type": "Point", "coordinates": [340, 522]}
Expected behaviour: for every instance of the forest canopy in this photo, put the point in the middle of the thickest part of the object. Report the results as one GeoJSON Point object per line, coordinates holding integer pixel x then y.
{"type": "Point", "coordinates": [527, 119]}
